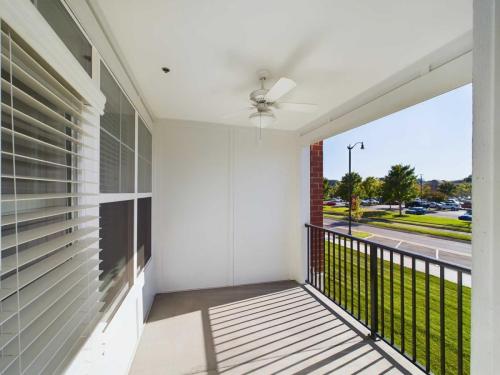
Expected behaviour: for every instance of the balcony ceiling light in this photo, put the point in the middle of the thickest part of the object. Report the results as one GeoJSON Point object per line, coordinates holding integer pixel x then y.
{"type": "Point", "coordinates": [262, 119]}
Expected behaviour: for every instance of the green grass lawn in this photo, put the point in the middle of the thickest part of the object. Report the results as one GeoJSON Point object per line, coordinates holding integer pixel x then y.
{"type": "Point", "coordinates": [393, 216]}
{"type": "Point", "coordinates": [430, 225]}
{"type": "Point", "coordinates": [423, 230]}
{"type": "Point", "coordinates": [350, 260]}
{"type": "Point", "coordinates": [360, 234]}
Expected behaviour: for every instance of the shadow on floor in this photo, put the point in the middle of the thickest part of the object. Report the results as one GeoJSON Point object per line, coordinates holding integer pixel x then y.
{"type": "Point", "coordinates": [272, 328]}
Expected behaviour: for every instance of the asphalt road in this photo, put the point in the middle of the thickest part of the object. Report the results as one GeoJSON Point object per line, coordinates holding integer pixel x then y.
{"type": "Point", "coordinates": [451, 251]}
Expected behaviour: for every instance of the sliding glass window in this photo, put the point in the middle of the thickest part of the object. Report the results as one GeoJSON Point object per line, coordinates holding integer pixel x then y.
{"type": "Point", "coordinates": [143, 232]}
{"type": "Point", "coordinates": [62, 23]}
{"type": "Point", "coordinates": [117, 167]}
{"type": "Point", "coordinates": [116, 233]}
{"type": "Point", "coordinates": [145, 158]}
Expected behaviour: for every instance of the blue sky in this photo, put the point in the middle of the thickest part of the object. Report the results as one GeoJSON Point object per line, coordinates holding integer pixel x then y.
{"type": "Point", "coordinates": [435, 137]}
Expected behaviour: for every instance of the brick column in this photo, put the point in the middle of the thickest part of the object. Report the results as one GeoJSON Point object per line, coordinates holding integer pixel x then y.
{"type": "Point", "coordinates": [316, 204]}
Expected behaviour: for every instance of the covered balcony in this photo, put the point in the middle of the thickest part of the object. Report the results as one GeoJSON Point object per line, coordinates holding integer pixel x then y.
{"type": "Point", "coordinates": [278, 328]}
{"type": "Point", "coordinates": [161, 197]}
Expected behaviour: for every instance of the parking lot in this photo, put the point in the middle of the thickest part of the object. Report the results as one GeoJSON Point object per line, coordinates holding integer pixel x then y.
{"type": "Point", "coordinates": [431, 212]}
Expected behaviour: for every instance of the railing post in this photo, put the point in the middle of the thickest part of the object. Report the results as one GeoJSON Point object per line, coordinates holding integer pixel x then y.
{"type": "Point", "coordinates": [374, 291]}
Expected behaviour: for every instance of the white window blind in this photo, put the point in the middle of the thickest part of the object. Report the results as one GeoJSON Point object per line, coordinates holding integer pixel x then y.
{"type": "Point", "coordinates": [49, 266]}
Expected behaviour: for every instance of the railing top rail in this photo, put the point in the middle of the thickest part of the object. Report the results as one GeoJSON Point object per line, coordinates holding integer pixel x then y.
{"type": "Point", "coordinates": [421, 257]}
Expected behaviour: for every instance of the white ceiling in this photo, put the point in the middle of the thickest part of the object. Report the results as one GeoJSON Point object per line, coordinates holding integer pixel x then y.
{"type": "Point", "coordinates": [333, 49]}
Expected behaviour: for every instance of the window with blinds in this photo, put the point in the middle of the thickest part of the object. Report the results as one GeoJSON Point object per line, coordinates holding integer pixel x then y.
{"type": "Point", "coordinates": [49, 266]}
{"type": "Point", "coordinates": [117, 150]}
{"type": "Point", "coordinates": [144, 158]}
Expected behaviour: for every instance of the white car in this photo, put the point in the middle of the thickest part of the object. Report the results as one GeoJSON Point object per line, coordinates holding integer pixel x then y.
{"type": "Point", "coordinates": [450, 206]}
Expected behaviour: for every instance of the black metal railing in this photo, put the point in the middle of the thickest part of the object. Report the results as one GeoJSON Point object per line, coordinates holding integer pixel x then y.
{"type": "Point", "coordinates": [417, 304]}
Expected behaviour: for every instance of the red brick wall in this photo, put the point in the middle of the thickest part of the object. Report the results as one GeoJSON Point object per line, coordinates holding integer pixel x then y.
{"type": "Point", "coordinates": [316, 204]}
{"type": "Point", "coordinates": [316, 184]}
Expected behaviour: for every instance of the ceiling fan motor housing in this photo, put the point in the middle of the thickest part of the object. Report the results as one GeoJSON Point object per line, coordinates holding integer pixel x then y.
{"type": "Point", "coordinates": [258, 96]}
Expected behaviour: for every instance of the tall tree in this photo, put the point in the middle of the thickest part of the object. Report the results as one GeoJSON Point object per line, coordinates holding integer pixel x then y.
{"type": "Point", "coordinates": [327, 189]}
{"type": "Point", "coordinates": [463, 189]}
{"type": "Point", "coordinates": [447, 188]}
{"type": "Point", "coordinates": [399, 184]}
{"type": "Point", "coordinates": [371, 187]}
{"type": "Point", "coordinates": [342, 188]}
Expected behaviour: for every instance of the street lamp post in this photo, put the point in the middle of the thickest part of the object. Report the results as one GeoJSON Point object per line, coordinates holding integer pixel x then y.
{"type": "Point", "coordinates": [350, 182]}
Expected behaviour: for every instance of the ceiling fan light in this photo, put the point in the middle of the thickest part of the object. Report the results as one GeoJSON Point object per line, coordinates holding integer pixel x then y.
{"type": "Point", "coordinates": [262, 119]}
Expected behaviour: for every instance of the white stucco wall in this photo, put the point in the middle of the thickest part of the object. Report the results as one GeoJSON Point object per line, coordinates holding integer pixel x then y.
{"type": "Point", "coordinates": [226, 205]}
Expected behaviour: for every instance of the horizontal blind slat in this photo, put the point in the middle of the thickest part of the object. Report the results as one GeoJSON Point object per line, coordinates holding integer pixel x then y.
{"type": "Point", "coordinates": [9, 263]}
{"type": "Point", "coordinates": [44, 144]}
{"type": "Point", "coordinates": [46, 179]}
{"type": "Point", "coordinates": [40, 89]}
{"type": "Point", "coordinates": [45, 196]}
{"type": "Point", "coordinates": [42, 108]}
{"type": "Point", "coordinates": [42, 231]}
{"type": "Point", "coordinates": [42, 267]}
{"type": "Point", "coordinates": [25, 57]}
{"type": "Point", "coordinates": [68, 318]}
{"type": "Point", "coordinates": [43, 213]}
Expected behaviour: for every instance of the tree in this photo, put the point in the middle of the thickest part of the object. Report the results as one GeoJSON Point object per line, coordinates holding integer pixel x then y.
{"type": "Point", "coordinates": [357, 212]}
{"type": "Point", "coordinates": [399, 185]}
{"type": "Point", "coordinates": [342, 189]}
{"type": "Point", "coordinates": [463, 189]}
{"type": "Point", "coordinates": [434, 196]}
{"type": "Point", "coordinates": [468, 178]}
{"type": "Point", "coordinates": [447, 188]}
{"type": "Point", "coordinates": [327, 189]}
{"type": "Point", "coordinates": [371, 187]}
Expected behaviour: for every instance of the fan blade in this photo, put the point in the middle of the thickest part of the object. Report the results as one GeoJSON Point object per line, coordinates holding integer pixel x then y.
{"type": "Point", "coordinates": [280, 88]}
{"type": "Point", "coordinates": [243, 111]}
{"type": "Point", "coordinates": [297, 107]}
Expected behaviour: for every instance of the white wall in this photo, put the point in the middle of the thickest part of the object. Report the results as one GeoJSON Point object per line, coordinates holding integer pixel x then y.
{"type": "Point", "coordinates": [110, 349]}
{"type": "Point", "coordinates": [226, 205]}
{"type": "Point", "coordinates": [485, 348]}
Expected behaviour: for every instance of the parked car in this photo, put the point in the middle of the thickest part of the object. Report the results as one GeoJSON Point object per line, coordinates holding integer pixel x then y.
{"type": "Point", "coordinates": [416, 211]}
{"type": "Point", "coordinates": [436, 205]}
{"type": "Point", "coordinates": [467, 216]}
{"type": "Point", "coordinates": [366, 202]}
{"type": "Point", "coordinates": [329, 203]}
{"type": "Point", "coordinates": [412, 204]}
{"type": "Point", "coordinates": [450, 206]}
{"type": "Point", "coordinates": [374, 201]}
{"type": "Point", "coordinates": [467, 204]}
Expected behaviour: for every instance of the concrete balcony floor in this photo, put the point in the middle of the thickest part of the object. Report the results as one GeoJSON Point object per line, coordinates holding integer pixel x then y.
{"type": "Point", "coordinates": [272, 328]}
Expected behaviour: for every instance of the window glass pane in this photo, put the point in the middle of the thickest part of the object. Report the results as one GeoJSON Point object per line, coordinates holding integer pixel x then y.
{"type": "Point", "coordinates": [65, 27]}
{"type": "Point", "coordinates": [109, 167]}
{"type": "Point", "coordinates": [145, 141]}
{"type": "Point", "coordinates": [116, 233]}
{"type": "Point", "coordinates": [118, 124]}
{"type": "Point", "coordinates": [144, 159]}
{"type": "Point", "coordinates": [144, 176]}
{"type": "Point", "coordinates": [110, 120]}
{"type": "Point", "coordinates": [143, 232]}
{"type": "Point", "coordinates": [127, 123]}
{"type": "Point", "coordinates": [127, 170]}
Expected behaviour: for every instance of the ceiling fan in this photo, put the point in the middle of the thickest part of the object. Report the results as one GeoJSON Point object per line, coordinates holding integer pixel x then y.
{"type": "Point", "coordinates": [263, 101]}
